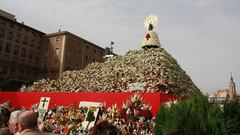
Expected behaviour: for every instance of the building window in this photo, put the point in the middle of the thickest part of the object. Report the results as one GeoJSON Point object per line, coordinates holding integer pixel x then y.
{"type": "Point", "coordinates": [1, 45]}
{"type": "Point", "coordinates": [18, 38]}
{"type": "Point", "coordinates": [8, 48]}
{"type": "Point", "coordinates": [11, 25]}
{"type": "Point", "coordinates": [94, 50]}
{"type": "Point", "coordinates": [30, 55]}
{"type": "Point", "coordinates": [55, 63]}
{"type": "Point", "coordinates": [57, 51]}
{"type": "Point", "coordinates": [38, 47]}
{"type": "Point", "coordinates": [21, 71]}
{"type": "Point", "coordinates": [37, 58]}
{"type": "Point", "coordinates": [2, 33]}
{"type": "Point", "coordinates": [34, 33]}
{"type": "Point", "coordinates": [25, 40]}
{"type": "Point", "coordinates": [19, 28]}
{"type": "Point", "coordinates": [10, 35]}
{"type": "Point", "coordinates": [4, 22]}
{"type": "Point", "coordinates": [58, 39]}
{"type": "Point", "coordinates": [13, 71]}
{"type": "Point", "coordinates": [87, 47]}
{"type": "Point", "coordinates": [47, 53]}
{"type": "Point", "coordinates": [45, 65]}
{"type": "Point", "coordinates": [76, 56]}
{"type": "Point", "coordinates": [86, 59]}
{"type": "Point", "coordinates": [22, 61]}
{"type": "Point", "coordinates": [37, 53]}
{"type": "Point", "coordinates": [5, 69]}
{"type": "Point", "coordinates": [24, 51]}
{"type": "Point", "coordinates": [26, 29]}
{"type": "Point", "coordinates": [1, 69]}
{"type": "Point", "coordinates": [94, 60]}
{"type": "Point", "coordinates": [7, 56]}
{"type": "Point", "coordinates": [14, 59]}
{"type": "Point", "coordinates": [16, 48]}
{"type": "Point", "coordinates": [32, 43]}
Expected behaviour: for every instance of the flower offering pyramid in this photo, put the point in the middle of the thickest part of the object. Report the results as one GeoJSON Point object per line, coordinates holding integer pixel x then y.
{"type": "Point", "coordinates": [151, 69]}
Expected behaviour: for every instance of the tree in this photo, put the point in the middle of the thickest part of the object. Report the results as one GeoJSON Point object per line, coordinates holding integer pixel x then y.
{"type": "Point", "coordinates": [232, 116]}
{"type": "Point", "coordinates": [193, 116]}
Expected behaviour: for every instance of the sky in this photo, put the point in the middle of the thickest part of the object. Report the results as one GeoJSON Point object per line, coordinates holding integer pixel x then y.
{"type": "Point", "coordinates": [202, 35]}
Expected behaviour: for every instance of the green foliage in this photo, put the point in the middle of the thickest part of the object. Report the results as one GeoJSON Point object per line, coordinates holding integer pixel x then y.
{"type": "Point", "coordinates": [232, 116]}
{"type": "Point", "coordinates": [193, 116]}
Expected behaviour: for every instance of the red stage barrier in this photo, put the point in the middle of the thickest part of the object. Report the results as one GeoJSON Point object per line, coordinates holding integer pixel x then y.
{"type": "Point", "coordinates": [27, 99]}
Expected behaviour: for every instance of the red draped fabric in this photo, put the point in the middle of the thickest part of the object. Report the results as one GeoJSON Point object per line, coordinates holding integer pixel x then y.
{"type": "Point", "coordinates": [27, 99]}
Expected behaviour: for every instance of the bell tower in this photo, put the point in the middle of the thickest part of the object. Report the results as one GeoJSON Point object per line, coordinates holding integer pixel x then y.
{"type": "Point", "coordinates": [232, 89]}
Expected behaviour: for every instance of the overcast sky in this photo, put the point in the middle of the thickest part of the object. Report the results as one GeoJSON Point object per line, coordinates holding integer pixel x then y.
{"type": "Point", "coordinates": [202, 35]}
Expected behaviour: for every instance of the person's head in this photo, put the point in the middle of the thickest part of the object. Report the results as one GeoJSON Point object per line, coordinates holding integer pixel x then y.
{"type": "Point", "coordinates": [105, 128]}
{"type": "Point", "coordinates": [13, 121]}
{"type": "Point", "coordinates": [4, 131]}
{"type": "Point", "coordinates": [27, 120]}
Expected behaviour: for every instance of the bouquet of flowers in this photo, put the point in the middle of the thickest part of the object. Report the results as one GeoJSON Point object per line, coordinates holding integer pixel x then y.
{"type": "Point", "coordinates": [64, 120]}
{"type": "Point", "coordinates": [135, 117]}
{"type": "Point", "coordinates": [138, 116]}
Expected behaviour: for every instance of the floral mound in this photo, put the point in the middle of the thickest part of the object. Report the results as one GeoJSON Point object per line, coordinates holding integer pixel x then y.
{"type": "Point", "coordinates": [152, 70]}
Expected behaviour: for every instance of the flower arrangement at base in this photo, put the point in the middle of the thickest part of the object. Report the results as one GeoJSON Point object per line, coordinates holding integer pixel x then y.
{"type": "Point", "coordinates": [138, 116]}
{"type": "Point", "coordinates": [134, 118]}
{"type": "Point", "coordinates": [64, 120]}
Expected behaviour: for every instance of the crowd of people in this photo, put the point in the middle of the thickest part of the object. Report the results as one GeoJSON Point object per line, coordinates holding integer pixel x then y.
{"type": "Point", "coordinates": [20, 122]}
{"type": "Point", "coordinates": [26, 123]}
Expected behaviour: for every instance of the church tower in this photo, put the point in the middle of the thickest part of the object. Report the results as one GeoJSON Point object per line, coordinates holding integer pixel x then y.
{"type": "Point", "coordinates": [232, 89]}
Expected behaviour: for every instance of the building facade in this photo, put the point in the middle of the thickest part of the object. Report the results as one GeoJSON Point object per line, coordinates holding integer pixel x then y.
{"type": "Point", "coordinates": [29, 54]}
{"type": "Point", "coordinates": [67, 51]}
{"type": "Point", "coordinates": [20, 50]}
{"type": "Point", "coordinates": [221, 96]}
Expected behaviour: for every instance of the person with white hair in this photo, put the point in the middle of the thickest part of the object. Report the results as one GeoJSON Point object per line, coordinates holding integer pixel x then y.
{"type": "Point", "coordinates": [13, 122]}
{"type": "Point", "coordinates": [28, 124]}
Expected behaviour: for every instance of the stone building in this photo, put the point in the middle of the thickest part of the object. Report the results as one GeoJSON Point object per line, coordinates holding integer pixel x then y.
{"type": "Point", "coordinates": [67, 51]}
{"type": "Point", "coordinates": [20, 50]}
{"type": "Point", "coordinates": [223, 95]}
{"type": "Point", "coordinates": [28, 54]}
